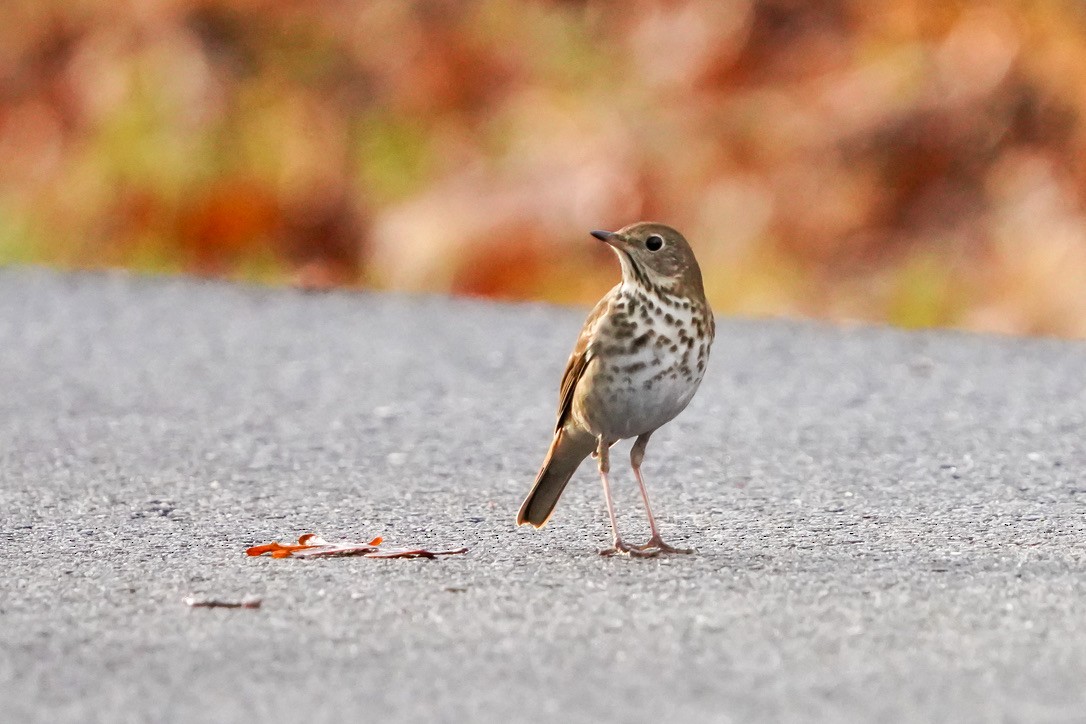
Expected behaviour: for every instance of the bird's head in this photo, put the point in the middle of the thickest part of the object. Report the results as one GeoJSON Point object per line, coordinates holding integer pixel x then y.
{"type": "Point", "coordinates": [655, 255]}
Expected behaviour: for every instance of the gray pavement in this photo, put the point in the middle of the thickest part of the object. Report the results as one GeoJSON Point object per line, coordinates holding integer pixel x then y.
{"type": "Point", "coordinates": [890, 526]}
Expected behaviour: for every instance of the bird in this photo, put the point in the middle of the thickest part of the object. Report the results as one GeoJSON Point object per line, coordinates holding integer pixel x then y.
{"type": "Point", "coordinates": [637, 363]}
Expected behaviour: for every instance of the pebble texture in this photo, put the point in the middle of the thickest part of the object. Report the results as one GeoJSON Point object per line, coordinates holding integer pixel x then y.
{"type": "Point", "coordinates": [890, 526]}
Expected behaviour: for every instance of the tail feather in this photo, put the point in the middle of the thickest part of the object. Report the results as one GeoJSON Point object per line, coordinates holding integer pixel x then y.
{"type": "Point", "coordinates": [568, 449]}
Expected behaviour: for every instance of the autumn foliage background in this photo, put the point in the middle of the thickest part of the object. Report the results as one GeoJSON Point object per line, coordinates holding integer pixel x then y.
{"type": "Point", "coordinates": [918, 162]}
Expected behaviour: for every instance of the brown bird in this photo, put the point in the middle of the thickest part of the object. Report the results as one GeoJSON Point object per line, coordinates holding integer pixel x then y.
{"type": "Point", "coordinates": [637, 363]}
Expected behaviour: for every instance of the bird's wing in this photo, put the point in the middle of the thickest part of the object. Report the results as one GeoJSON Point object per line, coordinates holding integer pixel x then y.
{"type": "Point", "coordinates": [574, 369]}
{"type": "Point", "coordinates": [578, 362]}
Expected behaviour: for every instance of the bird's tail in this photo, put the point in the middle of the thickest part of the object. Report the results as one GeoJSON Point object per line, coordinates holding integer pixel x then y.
{"type": "Point", "coordinates": [568, 449]}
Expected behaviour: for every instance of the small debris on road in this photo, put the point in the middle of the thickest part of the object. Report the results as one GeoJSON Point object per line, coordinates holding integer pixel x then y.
{"type": "Point", "coordinates": [312, 545]}
{"type": "Point", "coordinates": [207, 602]}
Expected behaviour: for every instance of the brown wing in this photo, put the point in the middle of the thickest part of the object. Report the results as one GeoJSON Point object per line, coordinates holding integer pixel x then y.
{"type": "Point", "coordinates": [578, 361]}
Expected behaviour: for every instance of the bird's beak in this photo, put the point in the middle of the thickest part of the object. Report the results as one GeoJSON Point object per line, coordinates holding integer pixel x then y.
{"type": "Point", "coordinates": [609, 237]}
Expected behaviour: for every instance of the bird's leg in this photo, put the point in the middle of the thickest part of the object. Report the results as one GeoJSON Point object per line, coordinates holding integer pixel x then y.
{"type": "Point", "coordinates": [637, 454]}
{"type": "Point", "coordinates": [618, 545]}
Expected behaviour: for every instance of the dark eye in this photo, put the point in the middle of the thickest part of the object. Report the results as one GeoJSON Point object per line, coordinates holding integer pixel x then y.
{"type": "Point", "coordinates": [654, 243]}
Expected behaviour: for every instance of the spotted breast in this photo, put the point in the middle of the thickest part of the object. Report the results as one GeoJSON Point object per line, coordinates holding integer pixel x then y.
{"type": "Point", "coordinates": [651, 349]}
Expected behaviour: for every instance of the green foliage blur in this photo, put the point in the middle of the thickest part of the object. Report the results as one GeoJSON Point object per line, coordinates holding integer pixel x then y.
{"type": "Point", "coordinates": [921, 163]}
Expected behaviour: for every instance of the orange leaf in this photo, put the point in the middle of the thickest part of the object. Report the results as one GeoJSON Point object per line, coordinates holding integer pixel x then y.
{"type": "Point", "coordinates": [261, 550]}
{"type": "Point", "coordinates": [311, 545]}
{"type": "Point", "coordinates": [278, 550]}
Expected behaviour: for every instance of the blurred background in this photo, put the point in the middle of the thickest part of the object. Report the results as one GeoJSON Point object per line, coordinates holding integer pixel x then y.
{"type": "Point", "coordinates": [909, 161]}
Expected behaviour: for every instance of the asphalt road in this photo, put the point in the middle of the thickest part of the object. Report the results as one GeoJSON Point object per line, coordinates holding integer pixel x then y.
{"type": "Point", "coordinates": [890, 526]}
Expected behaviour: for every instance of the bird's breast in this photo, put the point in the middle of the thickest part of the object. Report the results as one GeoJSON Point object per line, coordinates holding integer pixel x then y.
{"type": "Point", "coordinates": [649, 358]}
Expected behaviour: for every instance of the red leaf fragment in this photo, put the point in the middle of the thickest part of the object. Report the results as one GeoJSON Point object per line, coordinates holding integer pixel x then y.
{"type": "Point", "coordinates": [416, 553]}
{"type": "Point", "coordinates": [312, 545]}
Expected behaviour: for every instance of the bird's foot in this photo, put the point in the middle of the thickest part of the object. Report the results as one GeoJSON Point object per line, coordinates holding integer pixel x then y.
{"type": "Point", "coordinates": [656, 545]}
{"type": "Point", "coordinates": [621, 547]}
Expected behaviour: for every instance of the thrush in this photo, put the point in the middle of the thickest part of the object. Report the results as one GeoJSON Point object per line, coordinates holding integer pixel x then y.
{"type": "Point", "coordinates": [638, 361]}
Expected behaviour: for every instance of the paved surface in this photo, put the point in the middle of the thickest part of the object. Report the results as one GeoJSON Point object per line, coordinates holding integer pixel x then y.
{"type": "Point", "coordinates": [890, 525]}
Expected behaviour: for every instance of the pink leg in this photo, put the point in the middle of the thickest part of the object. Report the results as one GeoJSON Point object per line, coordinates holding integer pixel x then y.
{"type": "Point", "coordinates": [617, 545]}
{"type": "Point", "coordinates": [637, 454]}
